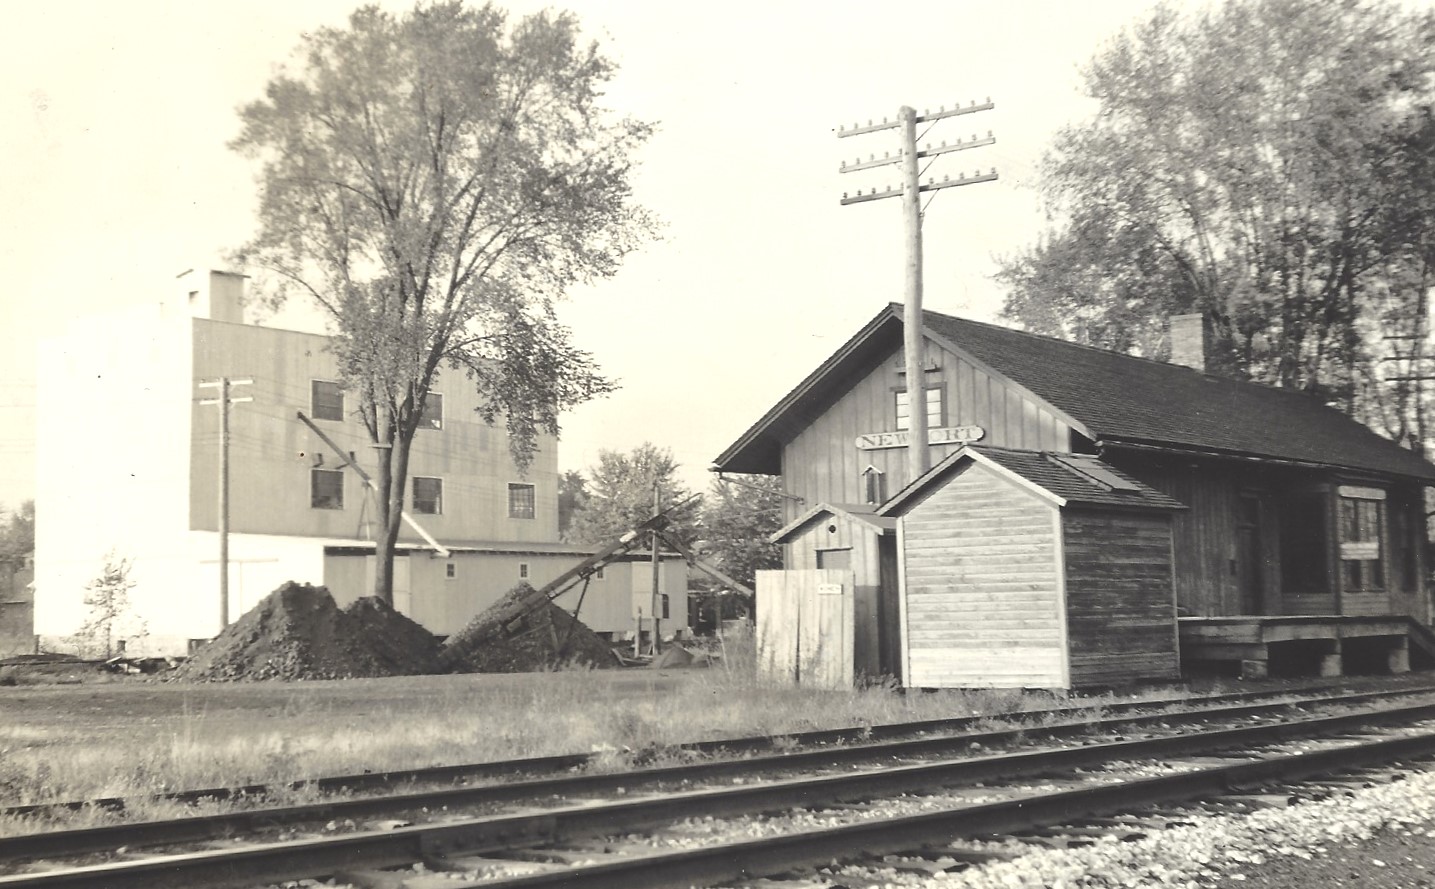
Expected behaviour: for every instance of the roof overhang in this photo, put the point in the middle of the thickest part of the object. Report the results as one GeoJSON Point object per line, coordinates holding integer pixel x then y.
{"type": "Point", "coordinates": [1108, 442]}
{"type": "Point", "coordinates": [759, 449]}
{"type": "Point", "coordinates": [909, 495]}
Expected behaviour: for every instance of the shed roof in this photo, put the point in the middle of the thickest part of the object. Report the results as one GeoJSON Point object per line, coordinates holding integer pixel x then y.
{"type": "Point", "coordinates": [859, 513]}
{"type": "Point", "coordinates": [1065, 479]}
{"type": "Point", "coordinates": [1115, 399]}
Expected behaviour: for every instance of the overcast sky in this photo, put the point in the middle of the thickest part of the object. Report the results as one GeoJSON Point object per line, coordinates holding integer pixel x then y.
{"type": "Point", "coordinates": [114, 119]}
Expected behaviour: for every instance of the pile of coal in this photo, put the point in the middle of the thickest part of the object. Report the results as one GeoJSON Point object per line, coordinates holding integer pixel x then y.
{"type": "Point", "coordinates": [297, 632]}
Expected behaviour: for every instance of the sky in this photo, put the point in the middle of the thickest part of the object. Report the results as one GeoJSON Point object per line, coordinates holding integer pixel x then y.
{"type": "Point", "coordinates": [115, 119]}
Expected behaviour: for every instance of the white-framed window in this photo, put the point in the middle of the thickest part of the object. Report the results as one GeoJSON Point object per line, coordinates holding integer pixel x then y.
{"type": "Point", "coordinates": [450, 571]}
{"type": "Point", "coordinates": [874, 486]}
{"type": "Point", "coordinates": [326, 400]}
{"type": "Point", "coordinates": [904, 409]}
{"type": "Point", "coordinates": [431, 415]}
{"type": "Point", "coordinates": [428, 495]}
{"type": "Point", "coordinates": [326, 489]}
{"type": "Point", "coordinates": [521, 501]}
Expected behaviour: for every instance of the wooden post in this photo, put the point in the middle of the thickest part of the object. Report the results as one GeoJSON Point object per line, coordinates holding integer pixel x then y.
{"type": "Point", "coordinates": [918, 458]}
{"type": "Point", "coordinates": [638, 634]}
{"type": "Point", "coordinates": [224, 503]}
{"type": "Point", "coordinates": [657, 610]}
{"type": "Point", "coordinates": [224, 400]}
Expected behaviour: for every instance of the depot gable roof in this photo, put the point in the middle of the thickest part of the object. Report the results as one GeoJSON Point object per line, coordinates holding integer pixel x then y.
{"type": "Point", "coordinates": [1113, 399]}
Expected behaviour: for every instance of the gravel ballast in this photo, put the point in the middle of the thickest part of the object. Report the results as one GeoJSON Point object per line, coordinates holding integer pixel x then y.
{"type": "Point", "coordinates": [1380, 836]}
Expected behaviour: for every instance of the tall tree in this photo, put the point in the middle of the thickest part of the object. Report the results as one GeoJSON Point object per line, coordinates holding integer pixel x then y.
{"type": "Point", "coordinates": [17, 533]}
{"type": "Point", "coordinates": [620, 495]}
{"type": "Point", "coordinates": [434, 181]}
{"type": "Point", "coordinates": [738, 517]}
{"type": "Point", "coordinates": [1245, 163]}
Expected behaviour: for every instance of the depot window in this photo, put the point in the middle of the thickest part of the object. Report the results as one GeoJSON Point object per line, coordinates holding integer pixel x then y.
{"type": "Point", "coordinates": [431, 416]}
{"type": "Point", "coordinates": [904, 408]}
{"type": "Point", "coordinates": [1362, 535]}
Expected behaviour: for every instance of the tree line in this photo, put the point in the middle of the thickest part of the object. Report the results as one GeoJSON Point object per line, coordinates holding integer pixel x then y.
{"type": "Point", "coordinates": [1266, 164]}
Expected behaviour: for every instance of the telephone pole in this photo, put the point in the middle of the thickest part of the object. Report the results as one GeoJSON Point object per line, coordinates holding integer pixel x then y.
{"type": "Point", "coordinates": [918, 454]}
{"type": "Point", "coordinates": [224, 400]}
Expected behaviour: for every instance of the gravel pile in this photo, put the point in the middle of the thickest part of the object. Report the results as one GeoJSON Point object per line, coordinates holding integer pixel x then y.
{"type": "Point", "coordinates": [297, 632]}
{"type": "Point", "coordinates": [521, 633]}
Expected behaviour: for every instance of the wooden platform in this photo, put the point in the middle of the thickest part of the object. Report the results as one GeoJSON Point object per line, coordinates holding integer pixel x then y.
{"type": "Point", "coordinates": [1259, 644]}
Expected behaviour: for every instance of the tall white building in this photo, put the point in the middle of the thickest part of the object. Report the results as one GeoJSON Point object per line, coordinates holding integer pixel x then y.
{"type": "Point", "coordinates": [129, 463]}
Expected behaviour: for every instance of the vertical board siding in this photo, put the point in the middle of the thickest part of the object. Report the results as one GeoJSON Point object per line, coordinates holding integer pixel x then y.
{"type": "Point", "coordinates": [804, 627]}
{"type": "Point", "coordinates": [822, 463]}
{"type": "Point", "coordinates": [1120, 598]}
{"type": "Point", "coordinates": [981, 589]}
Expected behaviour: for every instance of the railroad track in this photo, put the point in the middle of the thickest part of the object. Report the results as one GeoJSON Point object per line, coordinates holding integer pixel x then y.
{"type": "Point", "coordinates": [617, 839]}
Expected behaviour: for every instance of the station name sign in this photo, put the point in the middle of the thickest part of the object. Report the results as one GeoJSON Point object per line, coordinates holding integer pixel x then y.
{"type": "Point", "coordinates": [873, 441]}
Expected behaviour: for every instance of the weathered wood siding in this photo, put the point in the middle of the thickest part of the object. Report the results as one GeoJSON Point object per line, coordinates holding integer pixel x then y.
{"type": "Point", "coordinates": [1120, 598]}
{"type": "Point", "coordinates": [982, 586]}
{"type": "Point", "coordinates": [804, 627]}
{"type": "Point", "coordinates": [858, 544]}
{"type": "Point", "coordinates": [1204, 535]}
{"type": "Point", "coordinates": [822, 464]}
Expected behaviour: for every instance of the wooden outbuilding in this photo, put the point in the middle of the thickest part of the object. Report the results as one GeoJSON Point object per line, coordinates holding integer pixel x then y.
{"type": "Point", "coordinates": [1037, 570]}
{"type": "Point", "coordinates": [1302, 545]}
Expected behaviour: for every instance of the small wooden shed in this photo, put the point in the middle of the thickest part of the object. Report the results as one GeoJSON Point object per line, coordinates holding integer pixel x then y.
{"type": "Point", "coordinates": [852, 538]}
{"type": "Point", "coordinates": [1033, 569]}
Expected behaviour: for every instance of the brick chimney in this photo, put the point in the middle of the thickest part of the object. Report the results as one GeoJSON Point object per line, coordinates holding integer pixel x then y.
{"type": "Point", "coordinates": [1188, 341]}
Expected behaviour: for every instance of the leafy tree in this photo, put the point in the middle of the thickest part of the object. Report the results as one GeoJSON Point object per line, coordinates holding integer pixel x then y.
{"type": "Point", "coordinates": [620, 495]}
{"type": "Point", "coordinates": [738, 517]}
{"type": "Point", "coordinates": [108, 600]}
{"type": "Point", "coordinates": [17, 534]}
{"type": "Point", "coordinates": [434, 182]}
{"type": "Point", "coordinates": [1256, 163]}
{"type": "Point", "coordinates": [572, 496]}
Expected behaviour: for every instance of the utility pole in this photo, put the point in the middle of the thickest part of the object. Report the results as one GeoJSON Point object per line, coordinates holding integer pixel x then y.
{"type": "Point", "coordinates": [657, 609]}
{"type": "Point", "coordinates": [224, 400]}
{"type": "Point", "coordinates": [918, 451]}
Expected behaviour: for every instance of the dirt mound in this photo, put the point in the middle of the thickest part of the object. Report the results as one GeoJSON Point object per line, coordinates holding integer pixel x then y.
{"type": "Point", "coordinates": [519, 633]}
{"type": "Point", "coordinates": [297, 632]}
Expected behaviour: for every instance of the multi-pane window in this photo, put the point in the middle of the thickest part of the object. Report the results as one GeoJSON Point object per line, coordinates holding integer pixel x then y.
{"type": "Point", "coordinates": [1362, 520]}
{"type": "Point", "coordinates": [874, 486]}
{"type": "Point", "coordinates": [520, 501]}
{"type": "Point", "coordinates": [934, 409]}
{"type": "Point", "coordinates": [523, 570]}
{"type": "Point", "coordinates": [326, 400]}
{"type": "Point", "coordinates": [326, 489]}
{"type": "Point", "coordinates": [431, 417]}
{"type": "Point", "coordinates": [428, 495]}
{"type": "Point", "coordinates": [450, 571]}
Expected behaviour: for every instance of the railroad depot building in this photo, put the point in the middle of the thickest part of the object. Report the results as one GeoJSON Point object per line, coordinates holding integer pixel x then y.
{"type": "Point", "coordinates": [138, 476]}
{"type": "Point", "coordinates": [1089, 518]}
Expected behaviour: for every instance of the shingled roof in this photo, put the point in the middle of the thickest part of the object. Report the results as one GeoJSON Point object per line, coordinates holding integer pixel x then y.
{"type": "Point", "coordinates": [1073, 479]}
{"type": "Point", "coordinates": [1126, 400]}
{"type": "Point", "coordinates": [1118, 400]}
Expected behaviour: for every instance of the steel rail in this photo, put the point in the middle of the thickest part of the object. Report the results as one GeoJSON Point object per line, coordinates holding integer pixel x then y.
{"type": "Point", "coordinates": [199, 828]}
{"type": "Point", "coordinates": [260, 864]}
{"type": "Point", "coordinates": [747, 859]}
{"type": "Point", "coordinates": [569, 761]}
